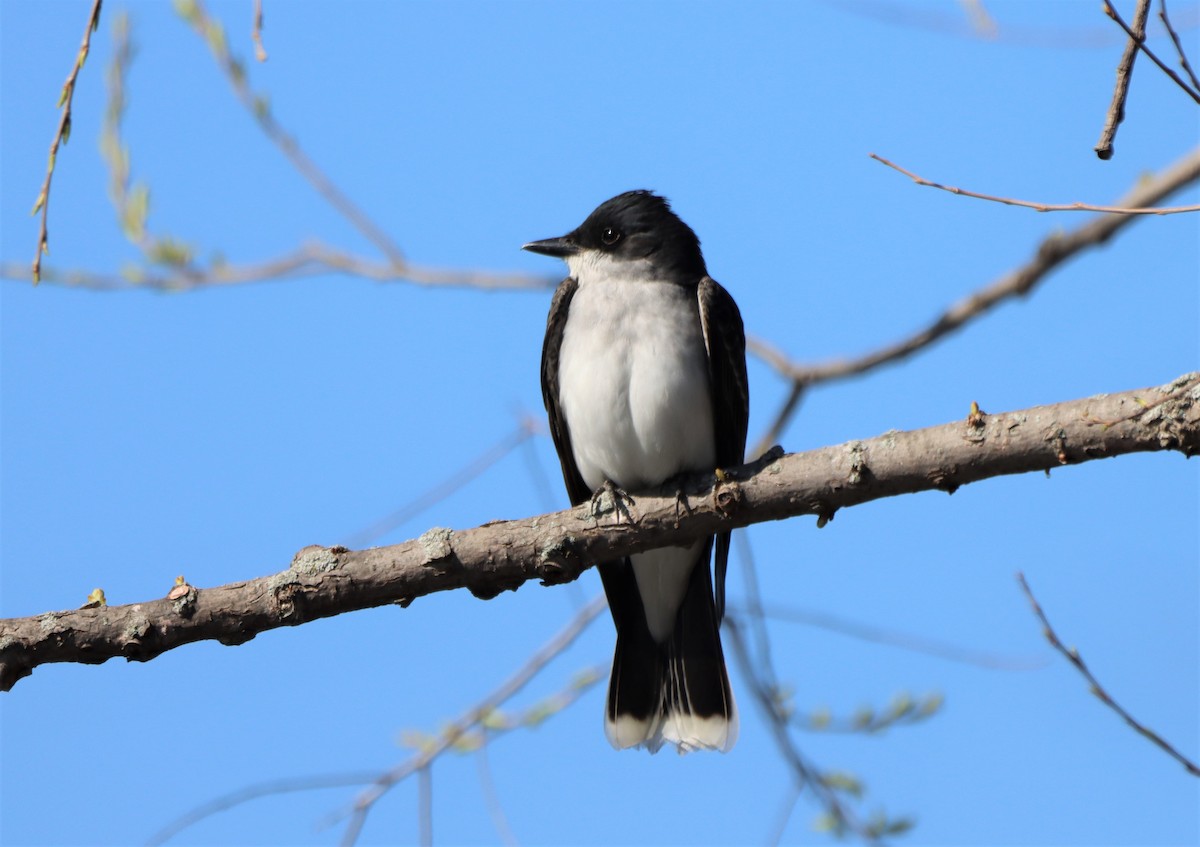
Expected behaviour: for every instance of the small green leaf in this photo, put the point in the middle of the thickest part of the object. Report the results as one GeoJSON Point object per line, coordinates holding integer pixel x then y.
{"type": "Point", "coordinates": [820, 718]}
{"type": "Point", "coordinates": [537, 714]}
{"type": "Point", "coordinates": [863, 718]}
{"type": "Point", "coordinates": [842, 781]}
{"type": "Point", "coordinates": [216, 40]}
{"type": "Point", "coordinates": [414, 738]}
{"type": "Point", "coordinates": [825, 823]}
{"type": "Point", "coordinates": [133, 273]}
{"type": "Point", "coordinates": [494, 719]}
{"type": "Point", "coordinates": [900, 706]}
{"type": "Point", "coordinates": [468, 742]}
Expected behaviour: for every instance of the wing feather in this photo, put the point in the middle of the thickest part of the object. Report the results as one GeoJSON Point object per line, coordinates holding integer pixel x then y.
{"type": "Point", "coordinates": [725, 340]}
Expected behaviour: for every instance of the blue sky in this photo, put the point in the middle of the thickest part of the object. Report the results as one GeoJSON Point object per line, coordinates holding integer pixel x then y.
{"type": "Point", "coordinates": [214, 433]}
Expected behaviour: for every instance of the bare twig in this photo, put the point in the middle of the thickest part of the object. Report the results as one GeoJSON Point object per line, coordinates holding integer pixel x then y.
{"type": "Point", "coordinates": [260, 52]}
{"type": "Point", "coordinates": [61, 136]}
{"type": "Point", "coordinates": [785, 813]}
{"type": "Point", "coordinates": [805, 773]}
{"type": "Point", "coordinates": [424, 806]}
{"type": "Point", "coordinates": [214, 36]}
{"type": "Point", "coordinates": [1139, 38]}
{"type": "Point", "coordinates": [1041, 207]}
{"type": "Point", "coordinates": [254, 792]}
{"type": "Point", "coordinates": [478, 713]}
{"type": "Point", "coordinates": [491, 797]}
{"type": "Point", "coordinates": [1072, 656]}
{"type": "Point", "coordinates": [1183, 59]}
{"type": "Point", "coordinates": [526, 429]}
{"type": "Point", "coordinates": [1050, 254]}
{"type": "Point", "coordinates": [555, 548]}
{"type": "Point", "coordinates": [891, 638]}
{"type": "Point", "coordinates": [1116, 109]}
{"type": "Point", "coordinates": [313, 259]}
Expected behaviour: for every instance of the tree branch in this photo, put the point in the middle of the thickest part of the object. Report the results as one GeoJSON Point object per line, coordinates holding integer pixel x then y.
{"type": "Point", "coordinates": [1116, 109]}
{"type": "Point", "coordinates": [1050, 254]}
{"type": "Point", "coordinates": [557, 547]}
{"type": "Point", "coordinates": [313, 259]}
{"type": "Point", "coordinates": [1140, 41]}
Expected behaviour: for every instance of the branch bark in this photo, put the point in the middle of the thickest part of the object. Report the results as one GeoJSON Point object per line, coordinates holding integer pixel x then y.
{"type": "Point", "coordinates": [557, 547]}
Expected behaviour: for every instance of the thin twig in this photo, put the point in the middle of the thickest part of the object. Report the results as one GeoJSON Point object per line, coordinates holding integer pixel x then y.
{"type": "Point", "coordinates": [1072, 656]}
{"type": "Point", "coordinates": [1050, 254]}
{"type": "Point", "coordinates": [806, 775]}
{"type": "Point", "coordinates": [1183, 59]}
{"type": "Point", "coordinates": [891, 638]}
{"type": "Point", "coordinates": [785, 813]}
{"type": "Point", "coordinates": [311, 260]}
{"type": "Point", "coordinates": [1139, 38]}
{"type": "Point", "coordinates": [260, 52]}
{"type": "Point", "coordinates": [253, 792]}
{"type": "Point", "coordinates": [774, 432]}
{"type": "Point", "coordinates": [759, 669]}
{"type": "Point", "coordinates": [1116, 109]}
{"type": "Point", "coordinates": [61, 136]}
{"type": "Point", "coordinates": [491, 797]}
{"type": "Point", "coordinates": [444, 489]}
{"type": "Point", "coordinates": [1041, 207]}
{"type": "Point", "coordinates": [358, 811]}
{"type": "Point", "coordinates": [214, 36]}
{"type": "Point", "coordinates": [425, 806]}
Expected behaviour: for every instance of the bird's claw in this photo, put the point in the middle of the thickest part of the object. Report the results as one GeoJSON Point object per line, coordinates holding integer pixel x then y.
{"type": "Point", "coordinates": [619, 499]}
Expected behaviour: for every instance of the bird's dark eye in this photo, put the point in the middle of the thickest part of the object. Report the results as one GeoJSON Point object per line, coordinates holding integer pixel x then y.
{"type": "Point", "coordinates": [610, 236]}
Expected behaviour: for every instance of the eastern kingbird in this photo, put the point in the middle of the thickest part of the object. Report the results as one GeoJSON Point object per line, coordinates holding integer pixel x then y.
{"type": "Point", "coordinates": [644, 378]}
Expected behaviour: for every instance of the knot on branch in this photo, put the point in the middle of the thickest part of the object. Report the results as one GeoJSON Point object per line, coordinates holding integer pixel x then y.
{"type": "Point", "coordinates": [727, 495]}
{"type": "Point", "coordinates": [560, 561]}
{"type": "Point", "coordinates": [943, 479]}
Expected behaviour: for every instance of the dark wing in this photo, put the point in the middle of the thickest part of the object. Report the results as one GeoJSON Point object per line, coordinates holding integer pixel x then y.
{"type": "Point", "coordinates": [556, 322]}
{"type": "Point", "coordinates": [620, 586]}
{"type": "Point", "coordinates": [730, 389]}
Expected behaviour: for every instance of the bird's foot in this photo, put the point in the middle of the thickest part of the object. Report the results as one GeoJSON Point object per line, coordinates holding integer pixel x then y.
{"type": "Point", "coordinates": [610, 497]}
{"type": "Point", "coordinates": [682, 506]}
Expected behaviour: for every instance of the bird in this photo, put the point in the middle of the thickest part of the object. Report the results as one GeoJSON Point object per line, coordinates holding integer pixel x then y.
{"type": "Point", "coordinates": [644, 380]}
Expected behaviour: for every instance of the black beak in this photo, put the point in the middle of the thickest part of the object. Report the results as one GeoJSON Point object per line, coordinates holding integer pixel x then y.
{"type": "Point", "coordinates": [560, 247]}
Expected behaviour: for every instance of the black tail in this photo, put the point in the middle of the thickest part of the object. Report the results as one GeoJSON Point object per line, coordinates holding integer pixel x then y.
{"type": "Point", "coordinates": [675, 691]}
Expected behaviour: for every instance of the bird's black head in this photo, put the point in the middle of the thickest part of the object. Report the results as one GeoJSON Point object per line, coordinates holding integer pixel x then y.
{"type": "Point", "coordinates": [635, 227]}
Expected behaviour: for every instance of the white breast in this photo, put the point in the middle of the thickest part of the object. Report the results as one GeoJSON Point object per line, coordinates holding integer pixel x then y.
{"type": "Point", "coordinates": [633, 382]}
